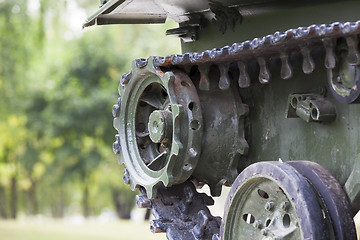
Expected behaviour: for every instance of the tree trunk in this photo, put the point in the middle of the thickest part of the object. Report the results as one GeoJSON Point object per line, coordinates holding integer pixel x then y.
{"type": "Point", "coordinates": [3, 212]}
{"type": "Point", "coordinates": [62, 203]}
{"type": "Point", "coordinates": [33, 198]}
{"type": "Point", "coordinates": [13, 201]}
{"type": "Point", "coordinates": [122, 205]}
{"type": "Point", "coordinates": [86, 210]}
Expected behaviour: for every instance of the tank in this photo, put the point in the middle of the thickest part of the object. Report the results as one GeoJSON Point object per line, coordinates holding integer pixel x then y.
{"type": "Point", "coordinates": [264, 98]}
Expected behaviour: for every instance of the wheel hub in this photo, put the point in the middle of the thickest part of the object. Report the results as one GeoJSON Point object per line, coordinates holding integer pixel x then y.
{"type": "Point", "coordinates": [160, 126]}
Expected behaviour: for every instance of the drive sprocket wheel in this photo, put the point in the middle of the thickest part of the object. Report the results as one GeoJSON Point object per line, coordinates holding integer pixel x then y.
{"type": "Point", "coordinates": [160, 125]}
{"type": "Point", "coordinates": [271, 200]}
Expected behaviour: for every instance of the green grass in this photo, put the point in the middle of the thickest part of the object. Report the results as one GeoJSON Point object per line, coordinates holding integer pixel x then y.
{"type": "Point", "coordinates": [89, 230]}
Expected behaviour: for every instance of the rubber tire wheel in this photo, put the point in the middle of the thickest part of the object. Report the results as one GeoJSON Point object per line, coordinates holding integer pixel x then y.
{"type": "Point", "coordinates": [337, 205]}
{"type": "Point", "coordinates": [304, 200]}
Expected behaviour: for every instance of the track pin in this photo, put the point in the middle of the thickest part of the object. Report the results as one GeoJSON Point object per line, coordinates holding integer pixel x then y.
{"type": "Point", "coordinates": [204, 83]}
{"type": "Point", "coordinates": [224, 82]}
{"type": "Point", "coordinates": [330, 60]}
{"type": "Point", "coordinates": [353, 57]}
{"type": "Point", "coordinates": [308, 65]}
{"type": "Point", "coordinates": [264, 74]}
{"type": "Point", "coordinates": [125, 78]}
{"type": "Point", "coordinates": [286, 70]}
{"type": "Point", "coordinates": [244, 78]}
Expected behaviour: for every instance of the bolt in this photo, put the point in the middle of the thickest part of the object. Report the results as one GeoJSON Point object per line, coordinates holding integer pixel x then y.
{"type": "Point", "coordinates": [285, 206]}
{"type": "Point", "coordinates": [142, 201]}
{"type": "Point", "coordinates": [264, 231]}
{"type": "Point", "coordinates": [257, 224]}
{"type": "Point", "coordinates": [269, 206]}
{"type": "Point", "coordinates": [338, 79]}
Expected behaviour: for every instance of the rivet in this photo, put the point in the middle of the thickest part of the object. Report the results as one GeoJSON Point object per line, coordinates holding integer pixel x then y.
{"type": "Point", "coordinates": [285, 205]}
{"type": "Point", "coordinates": [257, 224]}
{"type": "Point", "coordinates": [269, 206]}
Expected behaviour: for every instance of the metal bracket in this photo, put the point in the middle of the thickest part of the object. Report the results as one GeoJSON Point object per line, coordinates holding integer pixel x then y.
{"type": "Point", "coordinates": [310, 108]}
{"type": "Point", "coordinates": [187, 33]}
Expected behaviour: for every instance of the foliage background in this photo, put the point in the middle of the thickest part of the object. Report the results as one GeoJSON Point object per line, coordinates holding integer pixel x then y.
{"type": "Point", "coordinates": [57, 87]}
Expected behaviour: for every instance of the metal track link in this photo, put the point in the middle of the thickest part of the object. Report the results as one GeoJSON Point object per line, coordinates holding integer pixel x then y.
{"type": "Point", "coordinates": [181, 212]}
{"type": "Point", "coordinates": [278, 45]}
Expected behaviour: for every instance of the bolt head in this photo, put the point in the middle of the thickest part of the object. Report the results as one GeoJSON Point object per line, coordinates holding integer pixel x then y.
{"type": "Point", "coordinates": [143, 201]}
{"type": "Point", "coordinates": [257, 224]}
{"type": "Point", "coordinates": [269, 206]}
{"type": "Point", "coordinates": [285, 206]}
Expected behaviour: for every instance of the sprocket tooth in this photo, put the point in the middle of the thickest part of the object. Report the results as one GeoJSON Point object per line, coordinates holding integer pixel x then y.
{"type": "Point", "coordinates": [133, 185]}
{"type": "Point", "coordinates": [120, 159]}
{"type": "Point", "coordinates": [215, 189]}
{"type": "Point", "coordinates": [207, 200]}
{"type": "Point", "coordinates": [116, 123]}
{"type": "Point", "coordinates": [168, 79]}
{"type": "Point", "coordinates": [151, 191]}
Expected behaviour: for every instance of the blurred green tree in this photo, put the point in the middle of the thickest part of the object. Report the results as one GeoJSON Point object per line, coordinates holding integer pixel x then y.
{"type": "Point", "coordinates": [56, 95]}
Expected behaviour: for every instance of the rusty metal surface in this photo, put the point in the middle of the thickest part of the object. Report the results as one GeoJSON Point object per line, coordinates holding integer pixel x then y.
{"type": "Point", "coordinates": [279, 44]}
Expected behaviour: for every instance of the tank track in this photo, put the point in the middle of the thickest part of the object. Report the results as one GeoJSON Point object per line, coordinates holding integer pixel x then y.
{"type": "Point", "coordinates": [278, 45]}
{"type": "Point", "coordinates": [180, 210]}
